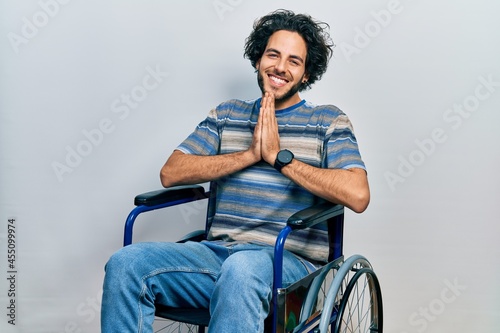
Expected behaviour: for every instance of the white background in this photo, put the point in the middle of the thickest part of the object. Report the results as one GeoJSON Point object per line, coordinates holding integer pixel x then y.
{"type": "Point", "coordinates": [402, 71]}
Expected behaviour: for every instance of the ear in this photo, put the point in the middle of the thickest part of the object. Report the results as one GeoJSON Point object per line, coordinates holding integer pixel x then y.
{"type": "Point", "coordinates": [257, 64]}
{"type": "Point", "coordinates": [305, 78]}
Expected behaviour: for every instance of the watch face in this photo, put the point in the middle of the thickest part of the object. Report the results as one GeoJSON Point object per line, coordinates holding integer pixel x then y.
{"type": "Point", "coordinates": [285, 156]}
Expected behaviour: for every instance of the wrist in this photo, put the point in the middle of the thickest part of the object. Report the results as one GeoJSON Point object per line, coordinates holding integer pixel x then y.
{"type": "Point", "coordinates": [283, 158]}
{"type": "Point", "coordinates": [250, 157]}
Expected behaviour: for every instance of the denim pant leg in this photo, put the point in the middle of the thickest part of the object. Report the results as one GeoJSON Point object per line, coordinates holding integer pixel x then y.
{"type": "Point", "coordinates": [242, 295]}
{"type": "Point", "coordinates": [141, 274]}
{"type": "Point", "coordinates": [234, 281]}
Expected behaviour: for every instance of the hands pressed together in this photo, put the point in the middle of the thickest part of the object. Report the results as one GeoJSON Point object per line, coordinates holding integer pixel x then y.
{"type": "Point", "coordinates": [266, 141]}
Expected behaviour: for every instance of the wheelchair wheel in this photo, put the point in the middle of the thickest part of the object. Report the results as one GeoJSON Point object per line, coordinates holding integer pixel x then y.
{"type": "Point", "coordinates": [354, 300]}
{"type": "Point", "coordinates": [167, 326]}
{"type": "Point", "coordinates": [360, 309]}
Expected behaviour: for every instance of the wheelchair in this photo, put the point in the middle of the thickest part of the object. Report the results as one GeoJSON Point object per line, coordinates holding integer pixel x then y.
{"type": "Point", "coordinates": [343, 295]}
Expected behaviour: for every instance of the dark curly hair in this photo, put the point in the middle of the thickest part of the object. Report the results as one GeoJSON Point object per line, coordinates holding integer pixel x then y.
{"type": "Point", "coordinates": [315, 34]}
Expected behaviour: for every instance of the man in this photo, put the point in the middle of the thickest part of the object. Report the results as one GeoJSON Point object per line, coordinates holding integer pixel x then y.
{"type": "Point", "coordinates": [270, 158]}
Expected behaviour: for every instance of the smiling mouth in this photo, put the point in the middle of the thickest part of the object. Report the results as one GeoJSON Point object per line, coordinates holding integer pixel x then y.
{"type": "Point", "coordinates": [276, 81]}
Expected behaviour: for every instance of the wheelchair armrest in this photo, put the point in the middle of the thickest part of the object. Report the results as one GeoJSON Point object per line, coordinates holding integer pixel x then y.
{"type": "Point", "coordinates": [170, 194]}
{"type": "Point", "coordinates": [313, 215]}
{"type": "Point", "coordinates": [167, 197]}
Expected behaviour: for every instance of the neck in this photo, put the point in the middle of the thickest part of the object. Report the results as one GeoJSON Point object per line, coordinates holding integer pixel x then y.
{"type": "Point", "coordinates": [285, 103]}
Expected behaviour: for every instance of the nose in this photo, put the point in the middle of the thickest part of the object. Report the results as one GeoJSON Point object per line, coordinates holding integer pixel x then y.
{"type": "Point", "coordinates": [280, 65]}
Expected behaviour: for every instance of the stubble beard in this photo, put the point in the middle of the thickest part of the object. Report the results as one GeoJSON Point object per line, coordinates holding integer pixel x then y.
{"type": "Point", "coordinates": [285, 96]}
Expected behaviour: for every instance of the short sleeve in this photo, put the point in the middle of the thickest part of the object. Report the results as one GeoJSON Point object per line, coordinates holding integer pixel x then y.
{"type": "Point", "coordinates": [205, 140]}
{"type": "Point", "coordinates": [341, 147]}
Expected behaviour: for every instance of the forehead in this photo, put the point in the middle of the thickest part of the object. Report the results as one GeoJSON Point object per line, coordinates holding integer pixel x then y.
{"type": "Point", "coordinates": [288, 42]}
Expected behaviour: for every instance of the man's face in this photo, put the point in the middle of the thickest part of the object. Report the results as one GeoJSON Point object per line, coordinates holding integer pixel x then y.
{"type": "Point", "coordinates": [281, 69]}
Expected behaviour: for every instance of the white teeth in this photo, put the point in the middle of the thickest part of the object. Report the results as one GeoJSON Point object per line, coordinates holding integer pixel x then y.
{"type": "Point", "coordinates": [277, 80]}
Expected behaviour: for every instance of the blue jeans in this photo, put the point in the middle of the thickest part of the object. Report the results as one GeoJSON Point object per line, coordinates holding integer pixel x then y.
{"type": "Point", "coordinates": [233, 280]}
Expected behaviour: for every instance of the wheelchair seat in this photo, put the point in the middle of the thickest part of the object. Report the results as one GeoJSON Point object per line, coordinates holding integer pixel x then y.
{"type": "Point", "coordinates": [197, 317]}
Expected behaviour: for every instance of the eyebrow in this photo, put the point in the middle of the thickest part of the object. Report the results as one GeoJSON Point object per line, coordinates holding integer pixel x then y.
{"type": "Point", "coordinates": [271, 50]}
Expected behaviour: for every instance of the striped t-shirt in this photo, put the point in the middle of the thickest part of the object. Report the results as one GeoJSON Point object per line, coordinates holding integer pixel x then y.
{"type": "Point", "coordinates": [253, 205]}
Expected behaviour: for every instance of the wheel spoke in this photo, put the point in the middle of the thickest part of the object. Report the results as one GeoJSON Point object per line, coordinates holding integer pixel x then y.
{"type": "Point", "coordinates": [357, 311]}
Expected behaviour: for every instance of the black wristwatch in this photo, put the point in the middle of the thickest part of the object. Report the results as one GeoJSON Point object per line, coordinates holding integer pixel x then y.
{"type": "Point", "coordinates": [283, 158]}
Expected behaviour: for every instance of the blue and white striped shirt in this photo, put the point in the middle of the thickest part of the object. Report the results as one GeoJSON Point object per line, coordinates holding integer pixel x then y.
{"type": "Point", "coordinates": [253, 205]}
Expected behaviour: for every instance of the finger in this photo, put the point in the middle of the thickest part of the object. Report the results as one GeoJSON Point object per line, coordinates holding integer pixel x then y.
{"type": "Point", "coordinates": [269, 114]}
{"type": "Point", "coordinates": [260, 119]}
{"type": "Point", "coordinates": [265, 102]}
{"type": "Point", "coordinates": [270, 103]}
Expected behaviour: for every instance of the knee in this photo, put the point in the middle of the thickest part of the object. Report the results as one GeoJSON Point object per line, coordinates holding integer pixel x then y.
{"type": "Point", "coordinates": [124, 261]}
{"type": "Point", "coordinates": [117, 260]}
{"type": "Point", "coordinates": [245, 279]}
{"type": "Point", "coordinates": [248, 267]}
